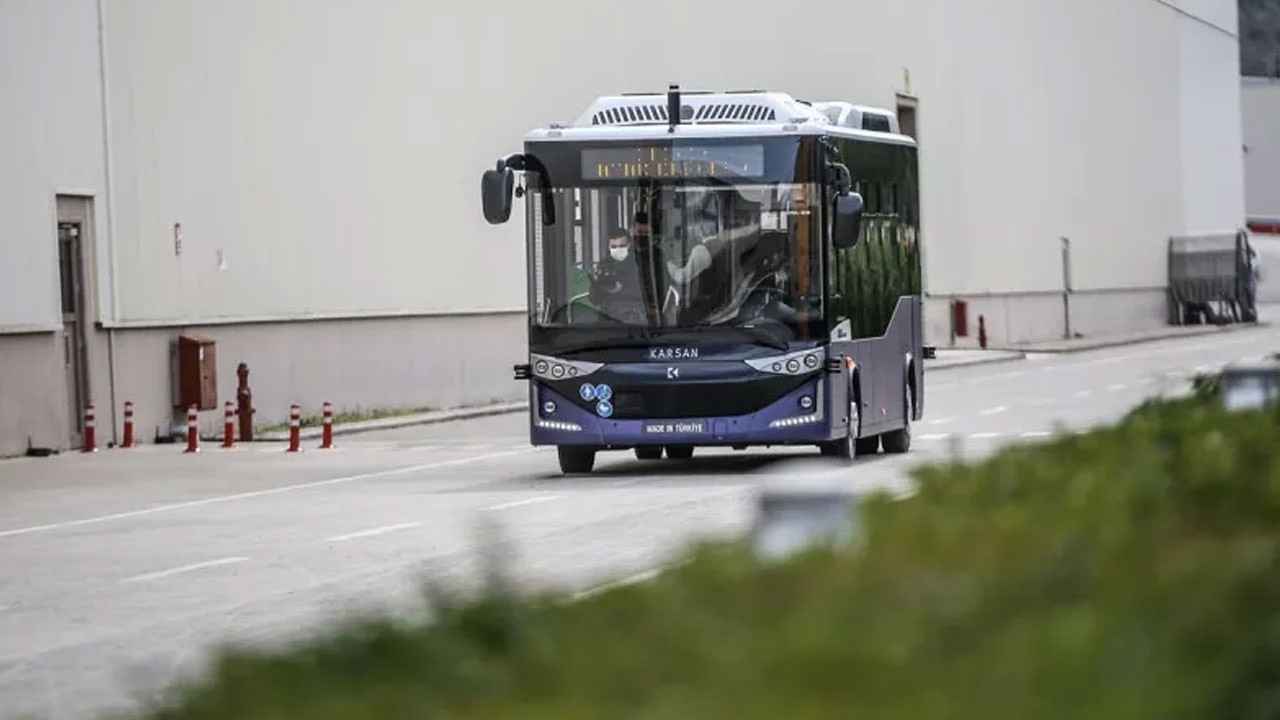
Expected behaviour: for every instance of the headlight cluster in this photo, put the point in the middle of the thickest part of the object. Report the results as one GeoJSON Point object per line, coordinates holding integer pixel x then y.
{"type": "Point", "coordinates": [794, 364]}
{"type": "Point", "coordinates": [549, 368]}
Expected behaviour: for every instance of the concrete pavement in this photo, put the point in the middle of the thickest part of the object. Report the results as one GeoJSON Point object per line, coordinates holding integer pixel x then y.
{"type": "Point", "coordinates": [118, 571]}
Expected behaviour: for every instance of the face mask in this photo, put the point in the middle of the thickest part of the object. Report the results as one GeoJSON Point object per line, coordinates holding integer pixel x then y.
{"type": "Point", "coordinates": [618, 254]}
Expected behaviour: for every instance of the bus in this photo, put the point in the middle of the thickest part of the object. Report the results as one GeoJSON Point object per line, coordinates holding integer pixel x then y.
{"type": "Point", "coordinates": [734, 270]}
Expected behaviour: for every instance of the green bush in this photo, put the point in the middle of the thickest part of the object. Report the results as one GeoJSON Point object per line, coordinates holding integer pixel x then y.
{"type": "Point", "coordinates": [1133, 572]}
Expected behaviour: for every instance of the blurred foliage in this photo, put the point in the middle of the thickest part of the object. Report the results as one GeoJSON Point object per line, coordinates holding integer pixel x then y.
{"type": "Point", "coordinates": [1206, 385]}
{"type": "Point", "coordinates": [1132, 572]}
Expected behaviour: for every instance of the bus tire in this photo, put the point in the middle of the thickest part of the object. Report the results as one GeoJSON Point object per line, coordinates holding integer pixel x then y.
{"type": "Point", "coordinates": [899, 441]}
{"type": "Point", "coordinates": [649, 452]}
{"type": "Point", "coordinates": [847, 447]}
{"type": "Point", "coordinates": [576, 460]}
{"type": "Point", "coordinates": [679, 452]}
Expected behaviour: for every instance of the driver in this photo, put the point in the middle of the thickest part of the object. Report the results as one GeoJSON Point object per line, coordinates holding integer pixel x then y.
{"type": "Point", "coordinates": [616, 287]}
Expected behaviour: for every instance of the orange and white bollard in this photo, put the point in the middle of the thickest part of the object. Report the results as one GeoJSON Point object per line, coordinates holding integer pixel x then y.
{"type": "Point", "coordinates": [326, 436]}
{"type": "Point", "coordinates": [295, 428]}
{"type": "Point", "coordinates": [128, 425]}
{"type": "Point", "coordinates": [193, 430]}
{"type": "Point", "coordinates": [229, 425]}
{"type": "Point", "coordinates": [90, 432]}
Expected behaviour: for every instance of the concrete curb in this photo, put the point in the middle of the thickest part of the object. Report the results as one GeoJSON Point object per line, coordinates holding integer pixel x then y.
{"type": "Point", "coordinates": [1086, 344]}
{"type": "Point", "coordinates": [431, 418]}
{"type": "Point", "coordinates": [998, 356]}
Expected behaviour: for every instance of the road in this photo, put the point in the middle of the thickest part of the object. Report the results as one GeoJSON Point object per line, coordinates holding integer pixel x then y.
{"type": "Point", "coordinates": [118, 571]}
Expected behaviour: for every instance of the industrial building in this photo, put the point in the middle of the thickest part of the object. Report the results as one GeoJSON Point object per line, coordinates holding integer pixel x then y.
{"type": "Point", "coordinates": [1261, 117]}
{"type": "Point", "coordinates": [298, 182]}
{"type": "Point", "coordinates": [1261, 103]}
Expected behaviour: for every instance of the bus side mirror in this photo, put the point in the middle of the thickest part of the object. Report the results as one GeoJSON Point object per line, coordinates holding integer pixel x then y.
{"type": "Point", "coordinates": [496, 189]}
{"type": "Point", "coordinates": [848, 221]}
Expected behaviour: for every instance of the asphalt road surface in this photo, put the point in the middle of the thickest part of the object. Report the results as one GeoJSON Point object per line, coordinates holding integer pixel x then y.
{"type": "Point", "coordinates": [119, 570]}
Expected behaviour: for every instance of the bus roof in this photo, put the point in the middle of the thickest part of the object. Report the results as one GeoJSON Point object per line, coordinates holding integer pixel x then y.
{"type": "Point", "coordinates": [731, 114]}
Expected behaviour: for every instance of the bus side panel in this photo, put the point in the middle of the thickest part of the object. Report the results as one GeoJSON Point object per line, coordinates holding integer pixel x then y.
{"type": "Point", "coordinates": [877, 286]}
{"type": "Point", "coordinates": [883, 366]}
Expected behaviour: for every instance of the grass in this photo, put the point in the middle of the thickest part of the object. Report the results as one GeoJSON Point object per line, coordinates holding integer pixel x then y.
{"type": "Point", "coordinates": [1132, 572]}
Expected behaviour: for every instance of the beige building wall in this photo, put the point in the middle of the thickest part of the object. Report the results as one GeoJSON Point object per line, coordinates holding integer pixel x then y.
{"type": "Point", "coordinates": [51, 144]}
{"type": "Point", "coordinates": [334, 145]}
{"type": "Point", "coordinates": [1261, 102]}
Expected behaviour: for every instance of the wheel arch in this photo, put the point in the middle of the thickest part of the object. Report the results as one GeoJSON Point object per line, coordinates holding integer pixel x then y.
{"type": "Point", "coordinates": [855, 389]}
{"type": "Point", "coordinates": [914, 384]}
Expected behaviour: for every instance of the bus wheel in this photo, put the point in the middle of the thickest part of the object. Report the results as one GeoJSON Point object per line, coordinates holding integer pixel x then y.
{"type": "Point", "coordinates": [847, 447]}
{"type": "Point", "coordinates": [679, 452]}
{"type": "Point", "coordinates": [649, 453]}
{"type": "Point", "coordinates": [574, 460]}
{"type": "Point", "coordinates": [899, 441]}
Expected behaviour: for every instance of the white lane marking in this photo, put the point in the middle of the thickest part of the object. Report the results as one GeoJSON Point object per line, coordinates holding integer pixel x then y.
{"type": "Point", "coordinates": [994, 410]}
{"type": "Point", "coordinates": [473, 448]}
{"type": "Point", "coordinates": [256, 494]}
{"type": "Point", "coordinates": [185, 569]}
{"type": "Point", "coordinates": [985, 436]}
{"type": "Point", "coordinates": [941, 421]}
{"type": "Point", "coordinates": [372, 532]}
{"type": "Point", "coordinates": [1083, 394]}
{"type": "Point", "coordinates": [939, 436]}
{"type": "Point", "coordinates": [1117, 387]}
{"type": "Point", "coordinates": [635, 579]}
{"type": "Point", "coordinates": [1148, 381]}
{"type": "Point", "coordinates": [523, 503]}
{"type": "Point", "coordinates": [1034, 435]}
{"type": "Point", "coordinates": [1019, 373]}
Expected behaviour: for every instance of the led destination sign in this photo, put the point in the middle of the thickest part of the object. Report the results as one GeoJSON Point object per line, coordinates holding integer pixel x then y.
{"type": "Point", "coordinates": [681, 161]}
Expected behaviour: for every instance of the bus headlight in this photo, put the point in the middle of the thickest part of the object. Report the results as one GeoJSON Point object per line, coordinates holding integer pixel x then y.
{"type": "Point", "coordinates": [806, 402]}
{"type": "Point", "coordinates": [797, 363]}
{"type": "Point", "coordinates": [549, 407]}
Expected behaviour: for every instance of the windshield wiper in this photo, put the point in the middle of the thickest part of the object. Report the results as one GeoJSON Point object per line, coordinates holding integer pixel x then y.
{"type": "Point", "coordinates": [619, 344]}
{"type": "Point", "coordinates": [758, 334]}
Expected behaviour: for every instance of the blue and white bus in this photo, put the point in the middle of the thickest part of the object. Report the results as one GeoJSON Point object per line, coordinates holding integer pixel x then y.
{"type": "Point", "coordinates": [719, 270]}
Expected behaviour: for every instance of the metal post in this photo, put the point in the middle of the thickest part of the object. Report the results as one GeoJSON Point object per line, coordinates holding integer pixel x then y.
{"type": "Point", "coordinates": [128, 425]}
{"type": "Point", "coordinates": [326, 439]}
{"type": "Point", "coordinates": [193, 430]}
{"type": "Point", "coordinates": [228, 425]}
{"type": "Point", "coordinates": [295, 428]}
{"type": "Point", "coordinates": [244, 403]}
{"type": "Point", "coordinates": [1066, 288]}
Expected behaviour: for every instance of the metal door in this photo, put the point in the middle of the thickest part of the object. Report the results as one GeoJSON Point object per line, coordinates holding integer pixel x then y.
{"type": "Point", "coordinates": [73, 340]}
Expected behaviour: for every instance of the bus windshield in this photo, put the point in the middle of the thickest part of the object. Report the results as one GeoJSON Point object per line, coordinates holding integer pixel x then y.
{"type": "Point", "coordinates": [686, 254]}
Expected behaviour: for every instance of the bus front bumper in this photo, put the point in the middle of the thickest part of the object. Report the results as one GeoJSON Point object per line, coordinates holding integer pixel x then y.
{"type": "Point", "coordinates": [783, 422]}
